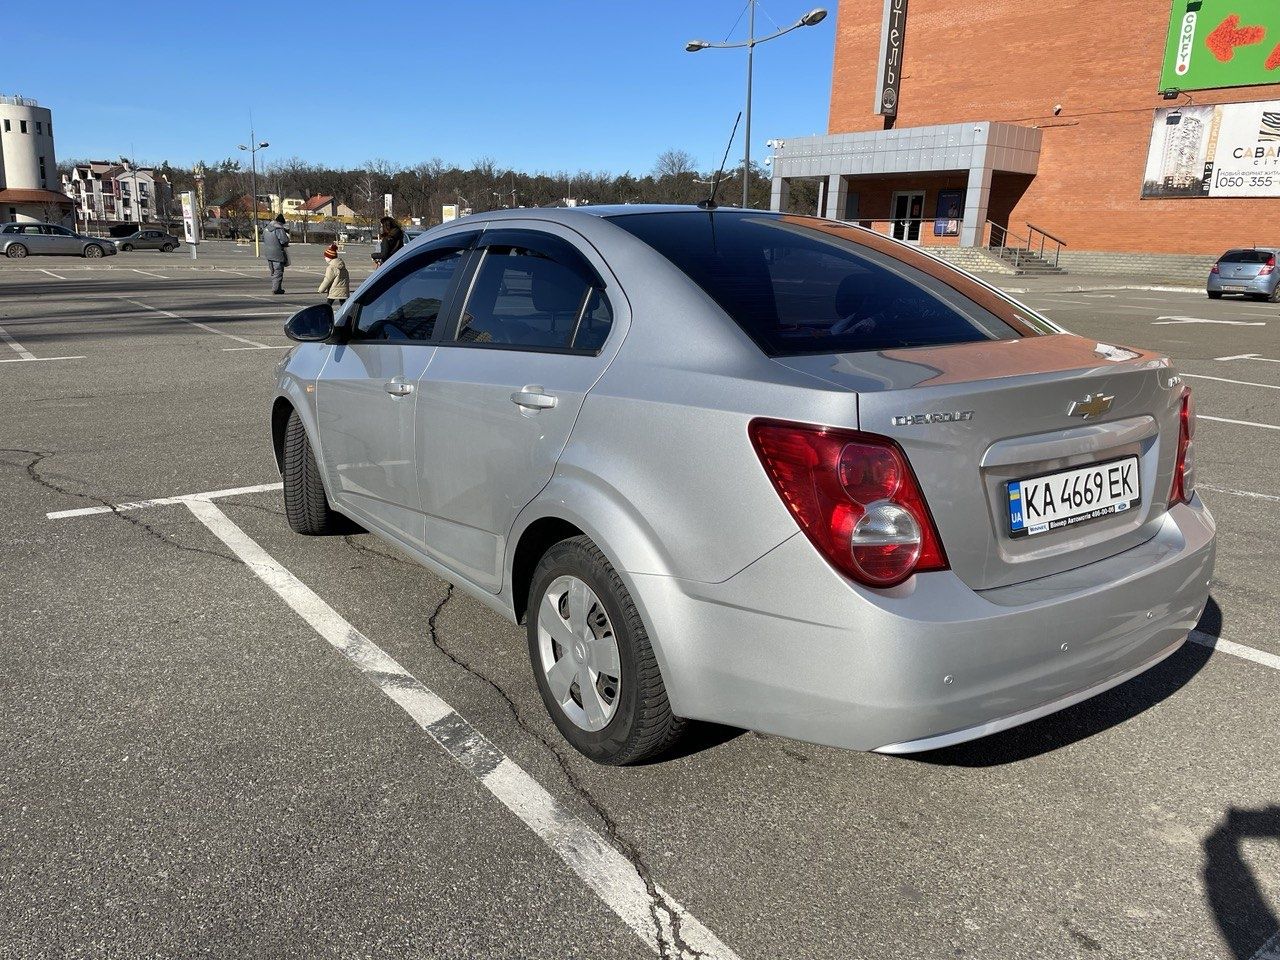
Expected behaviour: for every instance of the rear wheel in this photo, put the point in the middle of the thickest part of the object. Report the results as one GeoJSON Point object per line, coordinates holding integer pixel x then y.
{"type": "Point", "coordinates": [1215, 295]}
{"type": "Point", "coordinates": [592, 659]}
{"type": "Point", "coordinates": [1274, 296]}
{"type": "Point", "coordinates": [126, 247]}
{"type": "Point", "coordinates": [93, 251]}
{"type": "Point", "coordinates": [305, 503]}
{"type": "Point", "coordinates": [17, 251]}
{"type": "Point", "coordinates": [168, 248]}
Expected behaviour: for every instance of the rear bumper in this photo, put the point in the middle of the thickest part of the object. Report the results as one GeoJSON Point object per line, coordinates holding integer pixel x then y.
{"type": "Point", "coordinates": [1254, 286]}
{"type": "Point", "coordinates": [789, 647]}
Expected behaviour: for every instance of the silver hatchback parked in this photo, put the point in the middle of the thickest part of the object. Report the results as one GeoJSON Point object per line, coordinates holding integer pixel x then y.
{"type": "Point", "coordinates": [766, 470]}
{"type": "Point", "coordinates": [18, 240]}
{"type": "Point", "coordinates": [1248, 271]}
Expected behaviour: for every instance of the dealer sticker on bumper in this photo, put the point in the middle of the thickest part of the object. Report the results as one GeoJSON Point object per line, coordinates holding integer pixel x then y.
{"type": "Point", "coordinates": [1057, 500]}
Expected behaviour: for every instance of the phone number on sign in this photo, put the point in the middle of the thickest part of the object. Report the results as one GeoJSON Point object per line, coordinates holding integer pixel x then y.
{"type": "Point", "coordinates": [1246, 181]}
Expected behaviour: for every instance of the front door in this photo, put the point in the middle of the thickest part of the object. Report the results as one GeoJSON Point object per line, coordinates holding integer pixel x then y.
{"type": "Point", "coordinates": [500, 398]}
{"type": "Point", "coordinates": [366, 396]}
{"type": "Point", "coordinates": [908, 213]}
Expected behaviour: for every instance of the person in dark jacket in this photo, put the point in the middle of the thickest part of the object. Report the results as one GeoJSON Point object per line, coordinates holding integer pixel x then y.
{"type": "Point", "coordinates": [392, 237]}
{"type": "Point", "coordinates": [275, 242]}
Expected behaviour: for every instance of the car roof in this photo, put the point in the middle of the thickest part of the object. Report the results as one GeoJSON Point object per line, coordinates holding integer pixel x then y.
{"type": "Point", "coordinates": [605, 210]}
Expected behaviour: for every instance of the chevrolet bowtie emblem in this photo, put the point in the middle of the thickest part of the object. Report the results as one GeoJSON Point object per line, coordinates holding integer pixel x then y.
{"type": "Point", "coordinates": [1094, 405]}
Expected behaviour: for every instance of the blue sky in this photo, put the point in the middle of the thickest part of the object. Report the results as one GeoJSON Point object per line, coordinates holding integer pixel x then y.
{"type": "Point", "coordinates": [545, 85]}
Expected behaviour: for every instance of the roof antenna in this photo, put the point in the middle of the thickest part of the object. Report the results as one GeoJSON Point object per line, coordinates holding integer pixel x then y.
{"type": "Point", "coordinates": [710, 202]}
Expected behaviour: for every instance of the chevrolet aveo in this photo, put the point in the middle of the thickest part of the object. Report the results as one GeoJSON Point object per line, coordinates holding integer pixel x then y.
{"type": "Point", "coordinates": [767, 470]}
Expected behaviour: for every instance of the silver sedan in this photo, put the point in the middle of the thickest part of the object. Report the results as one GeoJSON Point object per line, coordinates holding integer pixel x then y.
{"type": "Point", "coordinates": [765, 470]}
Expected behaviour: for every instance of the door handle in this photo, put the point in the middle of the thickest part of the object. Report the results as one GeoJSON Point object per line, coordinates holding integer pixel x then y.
{"type": "Point", "coordinates": [533, 398]}
{"type": "Point", "coordinates": [398, 387]}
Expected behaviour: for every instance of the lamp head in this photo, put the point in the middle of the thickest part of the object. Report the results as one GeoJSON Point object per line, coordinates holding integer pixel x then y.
{"type": "Point", "coordinates": [693, 46]}
{"type": "Point", "coordinates": [813, 17]}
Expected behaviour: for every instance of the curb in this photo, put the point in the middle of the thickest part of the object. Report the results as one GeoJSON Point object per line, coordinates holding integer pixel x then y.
{"type": "Point", "coordinates": [1080, 288]}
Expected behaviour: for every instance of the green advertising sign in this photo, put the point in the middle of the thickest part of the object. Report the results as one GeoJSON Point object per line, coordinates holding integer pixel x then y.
{"type": "Point", "coordinates": [1222, 43]}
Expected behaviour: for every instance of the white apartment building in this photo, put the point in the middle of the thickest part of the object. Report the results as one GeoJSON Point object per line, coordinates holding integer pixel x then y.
{"type": "Point", "coordinates": [28, 165]}
{"type": "Point", "coordinates": [110, 192]}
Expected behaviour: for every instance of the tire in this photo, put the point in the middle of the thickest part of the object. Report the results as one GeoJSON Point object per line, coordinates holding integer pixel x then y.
{"type": "Point", "coordinates": [1274, 296]}
{"type": "Point", "coordinates": [16, 251]}
{"type": "Point", "coordinates": [93, 251]}
{"type": "Point", "coordinates": [305, 504]}
{"type": "Point", "coordinates": [126, 248]}
{"type": "Point", "coordinates": [637, 724]}
{"type": "Point", "coordinates": [1215, 295]}
{"type": "Point", "coordinates": [168, 248]}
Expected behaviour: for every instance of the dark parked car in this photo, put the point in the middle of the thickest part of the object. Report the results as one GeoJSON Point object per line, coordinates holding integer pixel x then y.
{"type": "Point", "coordinates": [1251, 272]}
{"type": "Point", "coordinates": [148, 240]}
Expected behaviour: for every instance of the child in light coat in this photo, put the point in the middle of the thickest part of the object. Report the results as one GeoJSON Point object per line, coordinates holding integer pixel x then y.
{"type": "Point", "coordinates": [336, 284]}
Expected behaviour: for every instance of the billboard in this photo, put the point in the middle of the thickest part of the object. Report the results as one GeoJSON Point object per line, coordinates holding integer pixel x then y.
{"type": "Point", "coordinates": [1222, 150]}
{"type": "Point", "coordinates": [1221, 43]}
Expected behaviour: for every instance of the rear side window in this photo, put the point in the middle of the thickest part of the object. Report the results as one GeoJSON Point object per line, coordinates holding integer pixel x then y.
{"type": "Point", "coordinates": [522, 298]}
{"type": "Point", "coordinates": [799, 285]}
{"type": "Point", "coordinates": [1246, 256]}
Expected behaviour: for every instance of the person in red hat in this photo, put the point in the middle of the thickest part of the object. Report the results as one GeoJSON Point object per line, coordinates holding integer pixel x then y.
{"type": "Point", "coordinates": [336, 284]}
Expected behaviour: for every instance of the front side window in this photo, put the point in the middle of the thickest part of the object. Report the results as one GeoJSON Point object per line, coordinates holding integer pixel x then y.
{"type": "Point", "coordinates": [523, 298]}
{"type": "Point", "coordinates": [409, 308]}
{"type": "Point", "coordinates": [60, 232]}
{"type": "Point", "coordinates": [799, 285]}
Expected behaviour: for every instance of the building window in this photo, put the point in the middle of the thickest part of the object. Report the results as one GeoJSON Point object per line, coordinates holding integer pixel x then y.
{"type": "Point", "coordinates": [8, 128]}
{"type": "Point", "coordinates": [43, 175]}
{"type": "Point", "coordinates": [22, 126]}
{"type": "Point", "coordinates": [39, 128]}
{"type": "Point", "coordinates": [13, 211]}
{"type": "Point", "coordinates": [51, 128]}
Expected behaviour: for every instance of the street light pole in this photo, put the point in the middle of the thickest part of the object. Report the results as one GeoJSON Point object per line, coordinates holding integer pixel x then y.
{"type": "Point", "coordinates": [812, 18]}
{"type": "Point", "coordinates": [253, 148]}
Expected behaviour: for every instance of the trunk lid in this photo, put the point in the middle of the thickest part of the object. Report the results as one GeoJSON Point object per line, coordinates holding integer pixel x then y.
{"type": "Point", "coordinates": [973, 417]}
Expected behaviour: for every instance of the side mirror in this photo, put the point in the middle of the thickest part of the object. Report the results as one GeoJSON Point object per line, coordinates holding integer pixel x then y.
{"type": "Point", "coordinates": [310, 324]}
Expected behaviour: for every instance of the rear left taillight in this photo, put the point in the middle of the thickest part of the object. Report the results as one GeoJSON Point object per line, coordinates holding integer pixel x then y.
{"type": "Point", "coordinates": [1214, 269]}
{"type": "Point", "coordinates": [1267, 267]}
{"type": "Point", "coordinates": [1184, 467]}
{"type": "Point", "coordinates": [855, 497]}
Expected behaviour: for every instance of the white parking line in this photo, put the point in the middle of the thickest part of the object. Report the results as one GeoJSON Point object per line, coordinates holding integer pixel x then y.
{"type": "Point", "coordinates": [1165, 321]}
{"type": "Point", "coordinates": [148, 273]}
{"type": "Point", "coordinates": [23, 354]}
{"type": "Point", "coordinates": [1243, 423]}
{"type": "Point", "coordinates": [1243, 383]}
{"type": "Point", "coordinates": [56, 276]}
{"type": "Point", "coordinates": [1231, 647]}
{"type": "Point", "coordinates": [203, 326]}
{"type": "Point", "coordinates": [162, 501]}
{"type": "Point", "coordinates": [1238, 493]}
{"type": "Point", "coordinates": [599, 864]}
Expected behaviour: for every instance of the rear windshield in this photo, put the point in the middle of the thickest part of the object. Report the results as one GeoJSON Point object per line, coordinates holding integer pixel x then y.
{"type": "Point", "coordinates": [802, 285]}
{"type": "Point", "coordinates": [1246, 256]}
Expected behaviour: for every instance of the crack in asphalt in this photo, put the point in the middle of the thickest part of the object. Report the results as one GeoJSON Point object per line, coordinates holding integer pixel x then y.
{"type": "Point", "coordinates": [659, 903]}
{"type": "Point", "coordinates": [350, 541]}
{"type": "Point", "coordinates": [39, 456]}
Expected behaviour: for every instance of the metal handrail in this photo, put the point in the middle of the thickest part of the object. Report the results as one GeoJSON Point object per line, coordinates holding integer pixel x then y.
{"type": "Point", "coordinates": [1022, 247]}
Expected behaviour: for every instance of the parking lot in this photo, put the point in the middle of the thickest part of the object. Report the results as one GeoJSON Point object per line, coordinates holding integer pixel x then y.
{"type": "Point", "coordinates": [220, 738]}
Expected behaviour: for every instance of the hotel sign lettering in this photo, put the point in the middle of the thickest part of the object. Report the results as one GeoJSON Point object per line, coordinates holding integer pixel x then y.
{"type": "Point", "coordinates": [892, 30]}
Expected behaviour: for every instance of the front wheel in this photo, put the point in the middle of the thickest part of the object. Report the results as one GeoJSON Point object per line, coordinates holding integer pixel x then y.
{"type": "Point", "coordinates": [592, 659]}
{"type": "Point", "coordinates": [93, 251]}
{"type": "Point", "coordinates": [17, 251]}
{"type": "Point", "coordinates": [305, 504]}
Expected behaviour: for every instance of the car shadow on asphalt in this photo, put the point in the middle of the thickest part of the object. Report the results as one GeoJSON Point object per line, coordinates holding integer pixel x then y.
{"type": "Point", "coordinates": [1090, 717]}
{"type": "Point", "coordinates": [1244, 917]}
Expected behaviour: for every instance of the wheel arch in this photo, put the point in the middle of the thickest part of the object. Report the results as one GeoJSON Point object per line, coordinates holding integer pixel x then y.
{"type": "Point", "coordinates": [280, 411]}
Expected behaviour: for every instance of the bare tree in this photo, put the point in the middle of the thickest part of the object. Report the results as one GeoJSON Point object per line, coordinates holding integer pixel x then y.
{"type": "Point", "coordinates": [674, 163]}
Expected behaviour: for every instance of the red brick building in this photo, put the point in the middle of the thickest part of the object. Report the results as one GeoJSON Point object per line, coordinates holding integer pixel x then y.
{"type": "Point", "coordinates": [1018, 113]}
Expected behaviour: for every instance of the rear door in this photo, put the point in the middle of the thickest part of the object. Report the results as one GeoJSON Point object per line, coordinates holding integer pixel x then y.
{"type": "Point", "coordinates": [366, 396]}
{"type": "Point", "coordinates": [36, 239]}
{"type": "Point", "coordinates": [539, 324]}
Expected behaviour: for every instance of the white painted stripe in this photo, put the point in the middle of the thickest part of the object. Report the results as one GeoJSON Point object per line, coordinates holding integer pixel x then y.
{"type": "Point", "coordinates": [195, 323]}
{"type": "Point", "coordinates": [600, 865]}
{"type": "Point", "coordinates": [283, 346]}
{"type": "Point", "coordinates": [1243, 383]}
{"type": "Point", "coordinates": [1235, 649]}
{"type": "Point", "coordinates": [1238, 493]}
{"type": "Point", "coordinates": [162, 501]}
{"type": "Point", "coordinates": [18, 348]}
{"type": "Point", "coordinates": [1167, 321]}
{"type": "Point", "coordinates": [38, 359]}
{"type": "Point", "coordinates": [149, 274]}
{"type": "Point", "coordinates": [1243, 423]}
{"type": "Point", "coordinates": [56, 276]}
{"type": "Point", "coordinates": [1249, 356]}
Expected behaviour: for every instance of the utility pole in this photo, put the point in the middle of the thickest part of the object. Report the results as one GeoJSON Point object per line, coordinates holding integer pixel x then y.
{"type": "Point", "coordinates": [253, 148]}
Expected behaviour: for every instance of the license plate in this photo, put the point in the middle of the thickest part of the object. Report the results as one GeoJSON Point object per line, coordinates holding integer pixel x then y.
{"type": "Point", "coordinates": [1057, 500]}
{"type": "Point", "coordinates": [1235, 286]}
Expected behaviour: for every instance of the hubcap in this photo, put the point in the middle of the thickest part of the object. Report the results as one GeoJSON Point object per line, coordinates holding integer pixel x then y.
{"type": "Point", "coordinates": [579, 653]}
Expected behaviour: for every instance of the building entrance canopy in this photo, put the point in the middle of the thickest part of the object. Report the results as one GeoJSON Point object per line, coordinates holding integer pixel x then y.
{"type": "Point", "coordinates": [980, 149]}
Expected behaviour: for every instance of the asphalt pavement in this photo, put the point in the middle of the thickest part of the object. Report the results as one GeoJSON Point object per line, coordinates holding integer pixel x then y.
{"type": "Point", "coordinates": [191, 767]}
